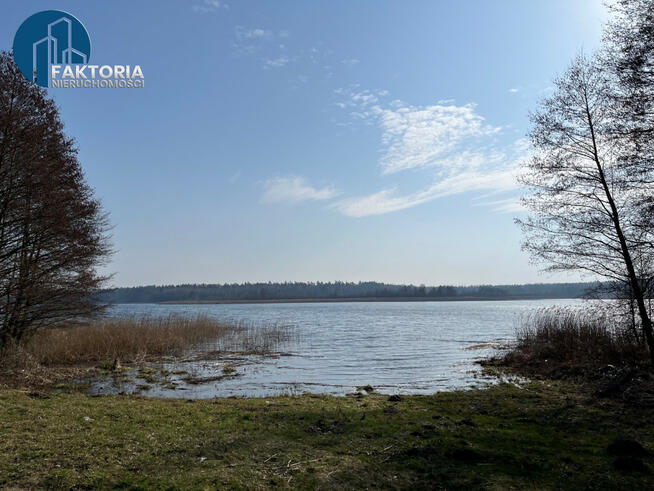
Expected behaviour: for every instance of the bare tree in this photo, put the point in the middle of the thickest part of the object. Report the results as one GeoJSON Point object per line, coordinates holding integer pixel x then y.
{"type": "Point", "coordinates": [53, 233]}
{"type": "Point", "coordinates": [584, 194]}
{"type": "Point", "coordinates": [629, 54]}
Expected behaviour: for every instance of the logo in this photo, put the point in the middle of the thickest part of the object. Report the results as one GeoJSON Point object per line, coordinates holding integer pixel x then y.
{"type": "Point", "coordinates": [53, 49]}
{"type": "Point", "coordinates": [49, 38]}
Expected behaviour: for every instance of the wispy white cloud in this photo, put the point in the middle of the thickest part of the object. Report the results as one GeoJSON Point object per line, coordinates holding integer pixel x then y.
{"type": "Point", "coordinates": [430, 136]}
{"type": "Point", "coordinates": [350, 61]}
{"type": "Point", "coordinates": [253, 33]}
{"type": "Point", "coordinates": [454, 142]}
{"type": "Point", "coordinates": [507, 205]}
{"type": "Point", "coordinates": [388, 200]}
{"type": "Point", "coordinates": [294, 189]}
{"type": "Point", "coordinates": [250, 40]}
{"type": "Point", "coordinates": [514, 90]}
{"type": "Point", "coordinates": [277, 49]}
{"type": "Point", "coordinates": [207, 6]}
{"type": "Point", "coordinates": [277, 62]}
{"type": "Point", "coordinates": [441, 135]}
{"type": "Point", "coordinates": [357, 99]}
{"type": "Point", "coordinates": [362, 104]}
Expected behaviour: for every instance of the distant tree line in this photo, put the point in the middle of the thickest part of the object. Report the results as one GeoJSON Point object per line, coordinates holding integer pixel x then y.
{"type": "Point", "coordinates": [339, 289]}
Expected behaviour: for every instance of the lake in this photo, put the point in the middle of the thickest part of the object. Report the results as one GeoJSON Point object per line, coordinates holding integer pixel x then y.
{"type": "Point", "coordinates": [396, 347]}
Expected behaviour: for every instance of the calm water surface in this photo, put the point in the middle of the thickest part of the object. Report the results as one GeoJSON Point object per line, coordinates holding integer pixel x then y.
{"type": "Point", "coordinates": [396, 347]}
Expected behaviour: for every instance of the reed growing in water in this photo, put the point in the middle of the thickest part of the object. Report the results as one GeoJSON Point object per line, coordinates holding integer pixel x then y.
{"type": "Point", "coordinates": [588, 337]}
{"type": "Point", "coordinates": [140, 339]}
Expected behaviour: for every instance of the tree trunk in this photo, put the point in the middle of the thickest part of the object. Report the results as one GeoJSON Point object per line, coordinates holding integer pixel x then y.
{"type": "Point", "coordinates": [631, 272]}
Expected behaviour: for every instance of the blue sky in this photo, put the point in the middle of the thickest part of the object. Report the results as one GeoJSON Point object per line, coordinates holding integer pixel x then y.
{"type": "Point", "coordinates": [306, 140]}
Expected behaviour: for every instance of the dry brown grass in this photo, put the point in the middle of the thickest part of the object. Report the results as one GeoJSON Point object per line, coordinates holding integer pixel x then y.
{"type": "Point", "coordinates": [138, 339]}
{"type": "Point", "coordinates": [575, 337]}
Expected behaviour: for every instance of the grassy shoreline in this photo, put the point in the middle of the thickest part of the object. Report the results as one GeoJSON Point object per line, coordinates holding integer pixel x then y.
{"type": "Point", "coordinates": [542, 435]}
{"type": "Point", "coordinates": [547, 433]}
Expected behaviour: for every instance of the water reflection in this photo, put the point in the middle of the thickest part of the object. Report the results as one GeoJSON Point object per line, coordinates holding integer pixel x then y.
{"type": "Point", "coordinates": [396, 347]}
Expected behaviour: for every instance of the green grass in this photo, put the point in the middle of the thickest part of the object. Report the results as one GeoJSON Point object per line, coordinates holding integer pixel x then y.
{"type": "Point", "coordinates": [545, 435]}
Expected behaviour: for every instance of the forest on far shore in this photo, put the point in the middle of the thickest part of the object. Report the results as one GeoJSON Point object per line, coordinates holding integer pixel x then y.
{"type": "Point", "coordinates": [340, 289]}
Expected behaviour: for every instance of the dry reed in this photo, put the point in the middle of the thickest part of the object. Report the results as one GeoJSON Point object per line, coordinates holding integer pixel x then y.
{"type": "Point", "coordinates": [583, 337]}
{"type": "Point", "coordinates": [139, 339]}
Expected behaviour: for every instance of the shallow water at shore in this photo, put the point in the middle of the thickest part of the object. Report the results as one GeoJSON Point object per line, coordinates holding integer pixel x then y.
{"type": "Point", "coordinates": [397, 348]}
